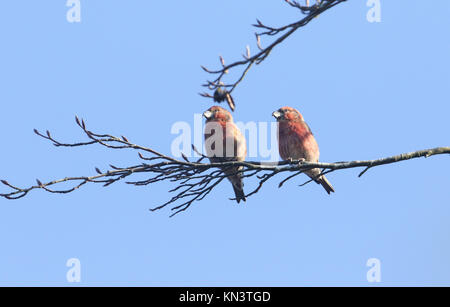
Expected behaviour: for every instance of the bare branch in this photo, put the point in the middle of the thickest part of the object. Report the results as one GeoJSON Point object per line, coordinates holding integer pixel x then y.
{"type": "Point", "coordinates": [279, 33]}
{"type": "Point", "coordinates": [193, 180]}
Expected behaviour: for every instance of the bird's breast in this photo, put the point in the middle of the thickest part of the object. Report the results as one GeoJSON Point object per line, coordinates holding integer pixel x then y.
{"type": "Point", "coordinates": [295, 141]}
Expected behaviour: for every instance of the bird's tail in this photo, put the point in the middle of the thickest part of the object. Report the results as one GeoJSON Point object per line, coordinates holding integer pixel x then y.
{"type": "Point", "coordinates": [239, 192]}
{"type": "Point", "coordinates": [326, 184]}
{"type": "Point", "coordinates": [236, 181]}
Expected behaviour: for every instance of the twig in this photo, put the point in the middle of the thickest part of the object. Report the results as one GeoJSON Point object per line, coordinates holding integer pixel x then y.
{"type": "Point", "coordinates": [193, 180]}
{"type": "Point", "coordinates": [221, 90]}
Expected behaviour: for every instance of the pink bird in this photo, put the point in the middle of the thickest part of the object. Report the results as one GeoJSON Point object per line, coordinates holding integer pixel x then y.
{"type": "Point", "coordinates": [224, 142]}
{"type": "Point", "coordinates": [296, 142]}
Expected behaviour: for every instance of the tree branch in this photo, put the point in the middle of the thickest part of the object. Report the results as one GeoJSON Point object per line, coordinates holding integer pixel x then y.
{"type": "Point", "coordinates": [222, 91]}
{"type": "Point", "coordinates": [193, 180]}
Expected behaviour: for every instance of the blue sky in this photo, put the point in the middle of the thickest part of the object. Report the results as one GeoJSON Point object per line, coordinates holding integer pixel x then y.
{"type": "Point", "coordinates": [132, 68]}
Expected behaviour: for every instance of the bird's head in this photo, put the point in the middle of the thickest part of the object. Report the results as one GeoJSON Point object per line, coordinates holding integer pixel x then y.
{"type": "Point", "coordinates": [287, 114]}
{"type": "Point", "coordinates": [217, 113]}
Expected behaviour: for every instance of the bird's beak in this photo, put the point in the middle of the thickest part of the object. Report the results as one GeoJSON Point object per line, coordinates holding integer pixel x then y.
{"type": "Point", "coordinates": [276, 114]}
{"type": "Point", "coordinates": [207, 114]}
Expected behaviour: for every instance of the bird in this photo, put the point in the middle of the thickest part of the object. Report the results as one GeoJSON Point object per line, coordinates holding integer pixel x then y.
{"type": "Point", "coordinates": [297, 142]}
{"type": "Point", "coordinates": [224, 142]}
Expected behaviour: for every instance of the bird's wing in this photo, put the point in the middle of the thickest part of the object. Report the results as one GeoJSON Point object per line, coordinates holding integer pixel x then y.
{"type": "Point", "coordinates": [307, 127]}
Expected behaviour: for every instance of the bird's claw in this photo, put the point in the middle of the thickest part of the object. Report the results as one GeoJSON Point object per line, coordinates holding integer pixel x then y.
{"type": "Point", "coordinates": [296, 161]}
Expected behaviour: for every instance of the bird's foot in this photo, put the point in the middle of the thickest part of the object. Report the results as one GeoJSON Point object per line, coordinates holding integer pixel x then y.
{"type": "Point", "coordinates": [301, 161]}
{"type": "Point", "coordinates": [296, 161]}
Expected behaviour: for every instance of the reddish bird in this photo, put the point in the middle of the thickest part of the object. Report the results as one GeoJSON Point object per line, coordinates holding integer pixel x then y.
{"type": "Point", "coordinates": [224, 142]}
{"type": "Point", "coordinates": [296, 142]}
